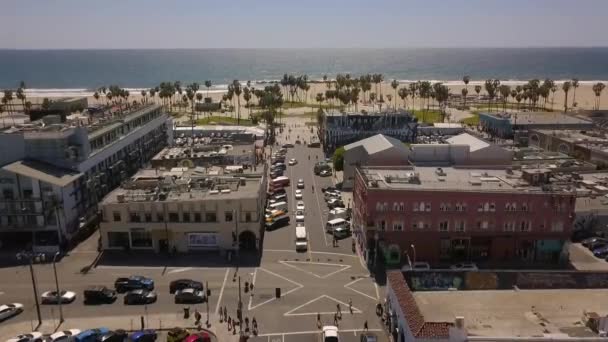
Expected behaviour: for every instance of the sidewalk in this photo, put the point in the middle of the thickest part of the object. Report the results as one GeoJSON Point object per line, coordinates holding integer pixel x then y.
{"type": "Point", "coordinates": [159, 322]}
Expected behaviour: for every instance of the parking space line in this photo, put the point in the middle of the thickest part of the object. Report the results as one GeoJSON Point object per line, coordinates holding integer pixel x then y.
{"type": "Point", "coordinates": [342, 267]}
{"type": "Point", "coordinates": [219, 299]}
{"type": "Point", "coordinates": [359, 292]}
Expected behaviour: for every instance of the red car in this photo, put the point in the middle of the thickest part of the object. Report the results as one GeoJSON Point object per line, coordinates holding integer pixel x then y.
{"type": "Point", "coordinates": [198, 337]}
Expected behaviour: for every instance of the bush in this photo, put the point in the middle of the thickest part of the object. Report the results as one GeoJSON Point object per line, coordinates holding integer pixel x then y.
{"type": "Point", "coordinates": [338, 159]}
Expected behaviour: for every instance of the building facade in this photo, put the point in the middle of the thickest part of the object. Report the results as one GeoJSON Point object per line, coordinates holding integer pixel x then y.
{"type": "Point", "coordinates": [186, 210]}
{"type": "Point", "coordinates": [337, 130]}
{"type": "Point", "coordinates": [56, 172]}
{"type": "Point", "coordinates": [503, 125]}
{"type": "Point", "coordinates": [445, 214]}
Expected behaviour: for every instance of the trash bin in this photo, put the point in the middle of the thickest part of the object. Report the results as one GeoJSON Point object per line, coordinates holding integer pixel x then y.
{"type": "Point", "coordinates": [186, 312]}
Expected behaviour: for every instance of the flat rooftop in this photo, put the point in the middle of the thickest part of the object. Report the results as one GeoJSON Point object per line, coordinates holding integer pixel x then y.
{"type": "Point", "coordinates": [593, 140]}
{"type": "Point", "coordinates": [202, 151]}
{"type": "Point", "coordinates": [183, 184]}
{"type": "Point", "coordinates": [521, 313]}
{"type": "Point", "coordinates": [539, 118]}
{"type": "Point", "coordinates": [446, 178]}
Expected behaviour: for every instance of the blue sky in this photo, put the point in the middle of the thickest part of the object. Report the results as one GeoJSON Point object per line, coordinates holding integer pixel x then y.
{"type": "Point", "coordinates": [42, 24]}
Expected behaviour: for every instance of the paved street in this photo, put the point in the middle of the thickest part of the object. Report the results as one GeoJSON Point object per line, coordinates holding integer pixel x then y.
{"type": "Point", "coordinates": [311, 283]}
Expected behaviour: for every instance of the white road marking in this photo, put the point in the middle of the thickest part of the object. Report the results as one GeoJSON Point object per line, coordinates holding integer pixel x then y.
{"type": "Point", "coordinates": [299, 286]}
{"type": "Point", "coordinates": [377, 292]}
{"type": "Point", "coordinates": [219, 299]}
{"type": "Point", "coordinates": [255, 274]}
{"type": "Point", "coordinates": [288, 263]}
{"type": "Point", "coordinates": [322, 226]}
{"type": "Point", "coordinates": [315, 332]}
{"type": "Point", "coordinates": [290, 312]}
{"type": "Point", "coordinates": [179, 270]}
{"type": "Point", "coordinates": [313, 252]}
{"type": "Point", "coordinates": [359, 292]}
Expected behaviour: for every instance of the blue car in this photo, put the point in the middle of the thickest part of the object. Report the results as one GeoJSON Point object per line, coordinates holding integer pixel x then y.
{"type": "Point", "coordinates": [91, 335]}
{"type": "Point", "coordinates": [143, 336]}
{"type": "Point", "coordinates": [133, 283]}
{"type": "Point", "coordinates": [601, 252]}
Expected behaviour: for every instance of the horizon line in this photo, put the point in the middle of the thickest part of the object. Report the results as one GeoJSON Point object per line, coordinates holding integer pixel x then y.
{"type": "Point", "coordinates": [309, 48]}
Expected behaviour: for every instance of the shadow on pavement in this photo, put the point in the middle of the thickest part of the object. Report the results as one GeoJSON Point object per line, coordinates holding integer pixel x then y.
{"type": "Point", "coordinates": [192, 259]}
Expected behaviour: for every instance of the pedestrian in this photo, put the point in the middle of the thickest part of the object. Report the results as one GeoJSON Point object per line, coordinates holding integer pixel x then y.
{"type": "Point", "coordinates": [350, 305]}
{"type": "Point", "coordinates": [338, 309]}
{"type": "Point", "coordinates": [336, 319]}
{"type": "Point", "coordinates": [246, 324]}
{"type": "Point", "coordinates": [225, 312]}
{"type": "Point", "coordinates": [197, 317]}
{"type": "Point", "coordinates": [365, 326]}
{"type": "Point", "coordinates": [254, 324]}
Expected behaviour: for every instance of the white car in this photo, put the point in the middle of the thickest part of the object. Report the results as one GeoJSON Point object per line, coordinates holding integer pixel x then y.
{"type": "Point", "coordinates": [293, 161]}
{"type": "Point", "coordinates": [51, 297]}
{"type": "Point", "coordinates": [34, 336]}
{"type": "Point", "coordinates": [300, 216]}
{"type": "Point", "coordinates": [464, 266]}
{"type": "Point", "coordinates": [330, 334]}
{"type": "Point", "coordinates": [62, 336]}
{"type": "Point", "coordinates": [300, 205]}
{"type": "Point", "coordinates": [298, 194]}
{"type": "Point", "coordinates": [10, 310]}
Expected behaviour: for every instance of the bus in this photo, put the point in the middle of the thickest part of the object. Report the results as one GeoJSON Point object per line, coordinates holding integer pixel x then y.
{"type": "Point", "coordinates": [279, 182]}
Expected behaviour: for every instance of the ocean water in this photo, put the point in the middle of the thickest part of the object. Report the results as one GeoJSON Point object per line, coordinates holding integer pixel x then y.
{"type": "Point", "coordinates": [73, 72]}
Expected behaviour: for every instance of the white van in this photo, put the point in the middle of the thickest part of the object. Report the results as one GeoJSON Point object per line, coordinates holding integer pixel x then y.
{"type": "Point", "coordinates": [278, 206]}
{"type": "Point", "coordinates": [332, 225]}
{"type": "Point", "coordinates": [301, 239]}
{"type": "Point", "coordinates": [337, 213]}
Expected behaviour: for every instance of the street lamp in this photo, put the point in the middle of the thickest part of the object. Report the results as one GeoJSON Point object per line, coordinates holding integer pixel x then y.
{"type": "Point", "coordinates": [414, 249]}
{"type": "Point", "coordinates": [30, 258]}
{"type": "Point", "coordinates": [57, 288]}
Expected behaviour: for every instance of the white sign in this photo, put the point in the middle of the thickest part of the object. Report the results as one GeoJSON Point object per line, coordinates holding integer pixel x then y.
{"type": "Point", "coordinates": [202, 240]}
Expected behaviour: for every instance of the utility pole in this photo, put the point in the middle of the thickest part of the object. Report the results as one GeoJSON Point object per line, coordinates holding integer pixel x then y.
{"type": "Point", "coordinates": [207, 301]}
{"type": "Point", "coordinates": [30, 259]}
{"type": "Point", "coordinates": [240, 302]}
{"type": "Point", "coordinates": [57, 288]}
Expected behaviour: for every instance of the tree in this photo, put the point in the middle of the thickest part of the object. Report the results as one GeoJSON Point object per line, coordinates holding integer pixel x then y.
{"type": "Point", "coordinates": [338, 159]}
{"type": "Point", "coordinates": [21, 96]}
{"type": "Point", "coordinates": [478, 90]}
{"type": "Point", "coordinates": [28, 106]}
{"type": "Point", "coordinates": [8, 99]}
{"type": "Point", "coordinates": [403, 93]}
{"type": "Point", "coordinates": [553, 91]}
{"type": "Point", "coordinates": [505, 91]}
{"type": "Point", "coordinates": [208, 85]}
{"type": "Point", "coordinates": [413, 89]}
{"type": "Point", "coordinates": [566, 88]}
{"type": "Point", "coordinates": [395, 85]}
{"type": "Point", "coordinates": [96, 96]}
{"type": "Point", "coordinates": [236, 86]}
{"type": "Point", "coordinates": [597, 90]}
{"type": "Point", "coordinates": [574, 85]}
{"type": "Point", "coordinates": [153, 92]}
{"type": "Point", "coordinates": [144, 94]}
{"type": "Point", "coordinates": [46, 103]}
{"type": "Point", "coordinates": [247, 98]}
{"type": "Point", "coordinates": [464, 92]}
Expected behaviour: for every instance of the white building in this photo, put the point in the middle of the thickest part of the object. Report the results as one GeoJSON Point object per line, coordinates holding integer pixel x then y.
{"type": "Point", "coordinates": [186, 210]}
{"type": "Point", "coordinates": [462, 149]}
{"type": "Point", "coordinates": [53, 173]}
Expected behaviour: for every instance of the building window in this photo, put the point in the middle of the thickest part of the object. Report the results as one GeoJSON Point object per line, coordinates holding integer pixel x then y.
{"type": "Point", "coordinates": [8, 194]}
{"type": "Point", "coordinates": [415, 206]}
{"type": "Point", "coordinates": [398, 226]}
{"type": "Point", "coordinates": [524, 226]}
{"type": "Point", "coordinates": [461, 207]}
{"type": "Point", "coordinates": [118, 239]}
{"type": "Point", "coordinates": [197, 217]}
{"type": "Point", "coordinates": [524, 207]}
{"type": "Point", "coordinates": [228, 216]}
{"type": "Point", "coordinates": [141, 238]}
{"type": "Point", "coordinates": [116, 215]}
{"type": "Point", "coordinates": [444, 226]}
{"type": "Point", "coordinates": [247, 217]}
{"type": "Point", "coordinates": [492, 207]}
{"type": "Point", "coordinates": [428, 206]}
{"type": "Point", "coordinates": [382, 225]}
{"type": "Point", "coordinates": [509, 227]}
{"type": "Point", "coordinates": [557, 226]}
{"type": "Point", "coordinates": [160, 217]}
{"type": "Point", "coordinates": [173, 217]}
{"type": "Point", "coordinates": [460, 226]}
{"type": "Point", "coordinates": [210, 217]}
{"type": "Point", "coordinates": [186, 217]}
{"type": "Point", "coordinates": [148, 217]}
{"type": "Point", "coordinates": [395, 206]}
{"type": "Point", "coordinates": [507, 206]}
{"type": "Point", "coordinates": [444, 207]}
{"type": "Point", "coordinates": [483, 224]}
{"type": "Point", "coordinates": [134, 217]}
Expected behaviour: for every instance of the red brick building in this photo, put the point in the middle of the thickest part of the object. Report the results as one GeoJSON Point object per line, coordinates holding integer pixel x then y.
{"type": "Point", "coordinates": [447, 215]}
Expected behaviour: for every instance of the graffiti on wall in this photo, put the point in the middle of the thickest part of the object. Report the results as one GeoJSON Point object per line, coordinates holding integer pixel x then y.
{"type": "Point", "coordinates": [481, 281]}
{"type": "Point", "coordinates": [425, 281]}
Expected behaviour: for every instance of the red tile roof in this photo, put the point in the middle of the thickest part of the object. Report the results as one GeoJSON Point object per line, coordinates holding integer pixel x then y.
{"type": "Point", "coordinates": [415, 320]}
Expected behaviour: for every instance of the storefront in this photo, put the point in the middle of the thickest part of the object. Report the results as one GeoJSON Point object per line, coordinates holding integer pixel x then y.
{"type": "Point", "coordinates": [203, 241]}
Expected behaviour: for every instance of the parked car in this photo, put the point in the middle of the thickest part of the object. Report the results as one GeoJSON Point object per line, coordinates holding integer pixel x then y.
{"type": "Point", "coordinates": [198, 337]}
{"type": "Point", "coordinates": [279, 197]}
{"type": "Point", "coordinates": [91, 335]}
{"type": "Point", "coordinates": [99, 294]}
{"type": "Point", "coordinates": [465, 266]}
{"type": "Point", "coordinates": [328, 188]}
{"type": "Point", "coordinates": [300, 205]}
{"type": "Point", "coordinates": [278, 191]}
{"type": "Point", "coordinates": [278, 222]}
{"type": "Point", "coordinates": [300, 184]}
{"type": "Point", "coordinates": [293, 161]}
{"type": "Point", "coordinates": [331, 194]}
{"type": "Point", "coordinates": [34, 336]}
{"type": "Point", "coordinates": [276, 173]}
{"type": "Point", "coordinates": [314, 144]}
{"type": "Point", "coordinates": [335, 203]}
{"type": "Point", "coordinates": [298, 194]}
{"type": "Point", "coordinates": [330, 334]}
{"type": "Point", "coordinates": [52, 297]}
{"type": "Point", "coordinates": [298, 142]}
{"type": "Point", "coordinates": [601, 252]}
{"type": "Point", "coordinates": [113, 336]}
{"type": "Point", "coordinates": [140, 296]}
{"type": "Point", "coordinates": [133, 283]}
{"type": "Point", "coordinates": [418, 265]}
{"type": "Point", "coordinates": [181, 284]}
{"type": "Point", "coordinates": [189, 296]}
{"type": "Point", "coordinates": [300, 216]}
{"type": "Point", "coordinates": [589, 241]}
{"type": "Point", "coordinates": [368, 337]}
{"type": "Point", "coordinates": [288, 145]}
{"type": "Point", "coordinates": [10, 310]}
{"type": "Point", "coordinates": [63, 336]}
{"type": "Point", "coordinates": [148, 335]}
{"type": "Point", "coordinates": [595, 244]}
{"type": "Point", "coordinates": [325, 173]}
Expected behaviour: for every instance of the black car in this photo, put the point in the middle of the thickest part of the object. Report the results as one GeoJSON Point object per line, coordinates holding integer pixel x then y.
{"type": "Point", "coordinates": [279, 197]}
{"type": "Point", "coordinates": [278, 167]}
{"type": "Point", "coordinates": [113, 336]}
{"type": "Point", "coordinates": [189, 296]}
{"type": "Point", "coordinates": [133, 283]}
{"type": "Point", "coordinates": [328, 188]}
{"type": "Point", "coordinates": [288, 145]}
{"type": "Point", "coordinates": [276, 173]}
{"type": "Point", "coordinates": [99, 294]}
{"type": "Point", "coordinates": [278, 222]}
{"type": "Point", "coordinates": [278, 192]}
{"type": "Point", "coordinates": [181, 284]}
{"type": "Point", "coordinates": [314, 144]}
{"type": "Point", "coordinates": [298, 142]}
{"type": "Point", "coordinates": [140, 297]}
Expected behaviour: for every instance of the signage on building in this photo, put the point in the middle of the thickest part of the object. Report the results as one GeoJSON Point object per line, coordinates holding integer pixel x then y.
{"type": "Point", "coordinates": [203, 240]}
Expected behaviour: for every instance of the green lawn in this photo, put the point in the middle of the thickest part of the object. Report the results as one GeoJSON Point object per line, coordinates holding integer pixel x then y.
{"type": "Point", "coordinates": [432, 116]}
{"type": "Point", "coordinates": [222, 120]}
{"type": "Point", "coordinates": [473, 120]}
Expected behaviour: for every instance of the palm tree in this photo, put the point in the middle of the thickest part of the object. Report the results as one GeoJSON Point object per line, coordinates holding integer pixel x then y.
{"type": "Point", "coordinates": [28, 106]}
{"type": "Point", "coordinates": [597, 90]}
{"type": "Point", "coordinates": [389, 98]}
{"type": "Point", "coordinates": [325, 80]}
{"type": "Point", "coordinates": [372, 99]}
{"type": "Point", "coordinates": [21, 96]}
{"type": "Point", "coordinates": [513, 96]}
{"type": "Point", "coordinates": [8, 99]}
{"type": "Point", "coordinates": [247, 98]}
{"type": "Point", "coordinates": [144, 94]}
{"type": "Point", "coordinates": [96, 96]}
{"type": "Point", "coordinates": [518, 98]}
{"type": "Point", "coordinates": [208, 85]}
{"type": "Point", "coordinates": [236, 86]}
{"type": "Point", "coordinates": [566, 88]}
{"type": "Point", "coordinates": [553, 91]}
{"type": "Point", "coordinates": [403, 93]}
{"type": "Point", "coordinates": [478, 90]}
{"type": "Point", "coordinates": [574, 85]}
{"type": "Point", "coordinates": [199, 98]}
{"type": "Point", "coordinates": [152, 92]}
{"type": "Point", "coordinates": [320, 99]}
{"type": "Point", "coordinates": [413, 89]}
{"type": "Point", "coordinates": [395, 85]}
{"type": "Point", "coordinates": [505, 91]}
{"type": "Point", "coordinates": [464, 92]}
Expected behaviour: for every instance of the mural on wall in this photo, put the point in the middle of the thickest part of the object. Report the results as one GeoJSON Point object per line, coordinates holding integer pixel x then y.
{"type": "Point", "coordinates": [425, 281]}
{"type": "Point", "coordinates": [481, 281]}
{"type": "Point", "coordinates": [529, 280]}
